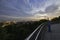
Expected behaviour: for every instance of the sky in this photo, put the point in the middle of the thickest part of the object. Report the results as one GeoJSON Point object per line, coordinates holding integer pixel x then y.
{"type": "Point", "coordinates": [28, 9]}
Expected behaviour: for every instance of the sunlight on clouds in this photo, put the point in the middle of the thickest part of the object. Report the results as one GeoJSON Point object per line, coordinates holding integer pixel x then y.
{"type": "Point", "coordinates": [40, 15]}
{"type": "Point", "coordinates": [29, 9]}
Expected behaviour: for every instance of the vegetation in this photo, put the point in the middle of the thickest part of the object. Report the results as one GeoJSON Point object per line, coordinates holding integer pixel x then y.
{"type": "Point", "coordinates": [18, 31]}
{"type": "Point", "coordinates": [21, 30]}
{"type": "Point", "coordinates": [56, 20]}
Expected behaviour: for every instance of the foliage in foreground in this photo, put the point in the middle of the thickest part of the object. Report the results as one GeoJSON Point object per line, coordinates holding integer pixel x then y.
{"type": "Point", "coordinates": [18, 31]}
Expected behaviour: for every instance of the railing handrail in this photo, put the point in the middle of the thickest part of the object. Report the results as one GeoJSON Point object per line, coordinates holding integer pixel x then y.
{"type": "Point", "coordinates": [39, 32]}
{"type": "Point", "coordinates": [35, 31]}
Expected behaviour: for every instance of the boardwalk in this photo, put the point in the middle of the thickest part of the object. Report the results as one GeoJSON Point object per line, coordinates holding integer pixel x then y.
{"type": "Point", "coordinates": [55, 34]}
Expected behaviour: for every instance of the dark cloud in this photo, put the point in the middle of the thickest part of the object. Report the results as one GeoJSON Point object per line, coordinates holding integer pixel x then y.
{"type": "Point", "coordinates": [16, 14]}
{"type": "Point", "coordinates": [26, 8]}
{"type": "Point", "coordinates": [51, 8]}
{"type": "Point", "coordinates": [14, 8]}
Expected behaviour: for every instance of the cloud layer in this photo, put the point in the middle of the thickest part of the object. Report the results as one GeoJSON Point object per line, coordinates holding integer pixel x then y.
{"type": "Point", "coordinates": [29, 8]}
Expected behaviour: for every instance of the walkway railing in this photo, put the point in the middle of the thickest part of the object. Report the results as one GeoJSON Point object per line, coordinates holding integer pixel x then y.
{"type": "Point", "coordinates": [38, 33]}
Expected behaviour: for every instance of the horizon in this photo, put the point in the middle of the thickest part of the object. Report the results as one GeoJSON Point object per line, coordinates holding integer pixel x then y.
{"type": "Point", "coordinates": [28, 9]}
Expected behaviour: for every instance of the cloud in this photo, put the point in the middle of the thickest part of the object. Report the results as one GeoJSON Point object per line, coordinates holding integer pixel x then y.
{"type": "Point", "coordinates": [11, 8]}
{"type": "Point", "coordinates": [28, 8]}
{"type": "Point", "coordinates": [51, 8]}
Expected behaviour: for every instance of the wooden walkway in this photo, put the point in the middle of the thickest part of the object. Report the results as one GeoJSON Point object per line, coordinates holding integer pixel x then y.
{"type": "Point", "coordinates": [55, 34]}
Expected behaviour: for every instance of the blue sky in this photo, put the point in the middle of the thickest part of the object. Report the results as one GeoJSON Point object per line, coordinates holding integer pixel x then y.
{"type": "Point", "coordinates": [29, 8]}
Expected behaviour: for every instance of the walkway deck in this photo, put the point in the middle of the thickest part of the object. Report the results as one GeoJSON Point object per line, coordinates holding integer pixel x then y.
{"type": "Point", "coordinates": [55, 34]}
